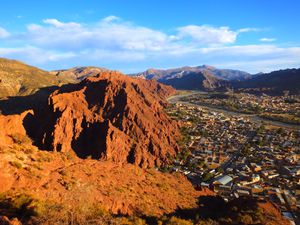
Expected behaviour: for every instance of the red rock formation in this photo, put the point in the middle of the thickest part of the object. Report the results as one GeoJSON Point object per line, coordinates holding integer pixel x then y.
{"type": "Point", "coordinates": [12, 129]}
{"type": "Point", "coordinates": [112, 117]}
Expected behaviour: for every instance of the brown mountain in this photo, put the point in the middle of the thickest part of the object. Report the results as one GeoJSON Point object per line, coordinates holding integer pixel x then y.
{"type": "Point", "coordinates": [224, 74]}
{"type": "Point", "coordinates": [194, 78]}
{"type": "Point", "coordinates": [275, 82]}
{"type": "Point", "coordinates": [19, 79]}
{"type": "Point", "coordinates": [78, 73]}
{"type": "Point", "coordinates": [204, 81]}
{"type": "Point", "coordinates": [112, 117]}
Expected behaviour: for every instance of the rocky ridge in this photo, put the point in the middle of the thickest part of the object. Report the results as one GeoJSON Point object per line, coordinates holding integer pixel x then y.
{"type": "Point", "coordinates": [78, 73]}
{"type": "Point", "coordinates": [112, 117]}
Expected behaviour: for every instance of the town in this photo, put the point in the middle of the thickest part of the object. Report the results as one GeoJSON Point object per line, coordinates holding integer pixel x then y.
{"type": "Point", "coordinates": [284, 108]}
{"type": "Point", "coordinates": [235, 155]}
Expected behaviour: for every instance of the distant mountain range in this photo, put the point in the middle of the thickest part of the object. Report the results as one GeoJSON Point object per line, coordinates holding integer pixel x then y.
{"type": "Point", "coordinates": [19, 79]}
{"type": "Point", "coordinates": [195, 78]}
{"type": "Point", "coordinates": [208, 78]}
{"type": "Point", "coordinates": [224, 74]}
{"type": "Point", "coordinates": [275, 82]}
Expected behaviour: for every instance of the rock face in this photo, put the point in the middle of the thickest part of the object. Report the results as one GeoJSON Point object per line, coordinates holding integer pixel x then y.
{"type": "Point", "coordinates": [12, 129]}
{"type": "Point", "coordinates": [112, 117]}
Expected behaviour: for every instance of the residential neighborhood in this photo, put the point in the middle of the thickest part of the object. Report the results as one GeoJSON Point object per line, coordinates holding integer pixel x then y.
{"type": "Point", "coordinates": [236, 156]}
{"type": "Point", "coordinates": [285, 108]}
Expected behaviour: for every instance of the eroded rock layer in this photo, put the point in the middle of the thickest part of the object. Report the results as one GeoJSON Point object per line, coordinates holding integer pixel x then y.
{"type": "Point", "coordinates": [110, 116]}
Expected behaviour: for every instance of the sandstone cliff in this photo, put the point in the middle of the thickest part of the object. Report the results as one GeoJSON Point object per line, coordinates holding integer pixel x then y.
{"type": "Point", "coordinates": [112, 117]}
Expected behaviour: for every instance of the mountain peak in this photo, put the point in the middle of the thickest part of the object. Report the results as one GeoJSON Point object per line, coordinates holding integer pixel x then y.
{"type": "Point", "coordinates": [79, 73]}
{"type": "Point", "coordinates": [208, 67]}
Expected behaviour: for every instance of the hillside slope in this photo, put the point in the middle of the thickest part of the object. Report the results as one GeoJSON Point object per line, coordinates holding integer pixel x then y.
{"type": "Point", "coordinates": [204, 77]}
{"type": "Point", "coordinates": [196, 81]}
{"type": "Point", "coordinates": [78, 73]}
{"type": "Point", "coordinates": [224, 74]}
{"type": "Point", "coordinates": [19, 79]}
{"type": "Point", "coordinates": [58, 179]}
{"type": "Point", "coordinates": [274, 83]}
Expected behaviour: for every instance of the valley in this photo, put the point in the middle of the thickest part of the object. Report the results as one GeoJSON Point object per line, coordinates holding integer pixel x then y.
{"type": "Point", "coordinates": [253, 112]}
{"type": "Point", "coordinates": [237, 154]}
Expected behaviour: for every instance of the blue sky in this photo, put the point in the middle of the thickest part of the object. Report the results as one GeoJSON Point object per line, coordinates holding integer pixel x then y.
{"type": "Point", "coordinates": [133, 35]}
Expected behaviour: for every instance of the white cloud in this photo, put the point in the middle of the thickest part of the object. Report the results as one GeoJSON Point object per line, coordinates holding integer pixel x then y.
{"type": "Point", "coordinates": [267, 39]}
{"type": "Point", "coordinates": [212, 35]}
{"type": "Point", "coordinates": [4, 33]}
{"type": "Point", "coordinates": [250, 50]}
{"type": "Point", "coordinates": [248, 29]}
{"type": "Point", "coordinates": [109, 33]}
{"type": "Point", "coordinates": [35, 55]}
{"type": "Point", "coordinates": [208, 35]}
{"type": "Point", "coordinates": [251, 58]}
{"type": "Point", "coordinates": [114, 42]}
{"type": "Point", "coordinates": [59, 24]}
{"type": "Point", "coordinates": [111, 18]}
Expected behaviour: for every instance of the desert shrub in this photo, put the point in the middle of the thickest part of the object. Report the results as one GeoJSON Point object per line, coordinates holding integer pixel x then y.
{"type": "Point", "coordinates": [20, 138]}
{"type": "Point", "coordinates": [16, 164]}
{"type": "Point", "coordinates": [37, 166]}
{"type": "Point", "coordinates": [177, 221]}
{"type": "Point", "coordinates": [21, 206]}
{"type": "Point", "coordinates": [44, 157]}
{"type": "Point", "coordinates": [244, 219]}
{"type": "Point", "coordinates": [81, 214]}
{"type": "Point", "coordinates": [258, 214]}
{"type": "Point", "coordinates": [130, 221]}
{"type": "Point", "coordinates": [208, 222]}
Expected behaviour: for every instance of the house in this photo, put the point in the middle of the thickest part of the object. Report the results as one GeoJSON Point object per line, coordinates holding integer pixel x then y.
{"type": "Point", "coordinates": [223, 180]}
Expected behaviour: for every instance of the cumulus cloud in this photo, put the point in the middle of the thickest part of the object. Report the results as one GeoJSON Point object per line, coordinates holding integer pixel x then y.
{"type": "Point", "coordinates": [211, 35]}
{"type": "Point", "coordinates": [267, 39]}
{"type": "Point", "coordinates": [251, 58]}
{"type": "Point", "coordinates": [35, 55]}
{"type": "Point", "coordinates": [114, 42]}
{"type": "Point", "coordinates": [4, 33]}
{"type": "Point", "coordinates": [109, 33]}
{"type": "Point", "coordinates": [208, 35]}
